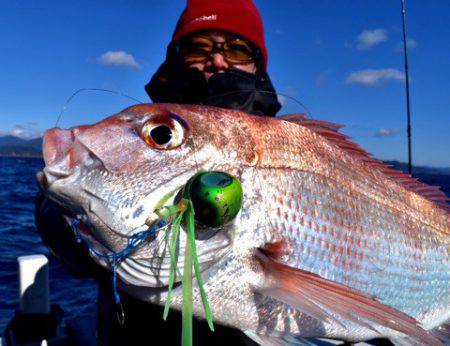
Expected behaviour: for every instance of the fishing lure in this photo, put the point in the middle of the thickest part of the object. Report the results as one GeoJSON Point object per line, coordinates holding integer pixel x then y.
{"type": "Point", "coordinates": [212, 199]}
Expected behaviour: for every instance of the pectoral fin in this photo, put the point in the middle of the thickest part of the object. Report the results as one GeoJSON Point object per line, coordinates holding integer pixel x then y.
{"type": "Point", "coordinates": [324, 299]}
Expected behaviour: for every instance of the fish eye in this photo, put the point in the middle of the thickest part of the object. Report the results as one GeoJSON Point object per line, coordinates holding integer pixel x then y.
{"type": "Point", "coordinates": [163, 132]}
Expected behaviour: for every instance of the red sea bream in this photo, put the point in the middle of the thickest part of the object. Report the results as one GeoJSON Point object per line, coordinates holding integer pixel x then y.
{"type": "Point", "coordinates": [329, 242]}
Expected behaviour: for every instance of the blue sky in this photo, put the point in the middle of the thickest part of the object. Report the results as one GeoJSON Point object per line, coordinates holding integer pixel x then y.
{"type": "Point", "coordinates": [340, 59]}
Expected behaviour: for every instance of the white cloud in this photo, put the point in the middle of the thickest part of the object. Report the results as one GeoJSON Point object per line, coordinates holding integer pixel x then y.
{"type": "Point", "coordinates": [371, 77]}
{"type": "Point", "coordinates": [382, 132]}
{"type": "Point", "coordinates": [118, 58]}
{"type": "Point", "coordinates": [22, 131]}
{"type": "Point", "coordinates": [370, 38]}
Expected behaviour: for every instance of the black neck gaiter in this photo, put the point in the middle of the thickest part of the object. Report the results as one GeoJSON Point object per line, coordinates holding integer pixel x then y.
{"type": "Point", "coordinates": [233, 89]}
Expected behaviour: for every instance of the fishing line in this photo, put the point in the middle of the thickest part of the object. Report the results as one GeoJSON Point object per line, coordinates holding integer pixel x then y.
{"type": "Point", "coordinates": [116, 257]}
{"type": "Point", "coordinates": [120, 313]}
{"type": "Point", "coordinates": [66, 104]}
{"type": "Point", "coordinates": [307, 111]}
{"type": "Point", "coordinates": [197, 166]}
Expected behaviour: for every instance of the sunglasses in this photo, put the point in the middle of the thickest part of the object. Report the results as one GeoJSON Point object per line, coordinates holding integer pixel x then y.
{"type": "Point", "coordinates": [198, 49]}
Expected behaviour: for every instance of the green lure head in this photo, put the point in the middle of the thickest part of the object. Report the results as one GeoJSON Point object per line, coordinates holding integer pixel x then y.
{"type": "Point", "coordinates": [216, 197]}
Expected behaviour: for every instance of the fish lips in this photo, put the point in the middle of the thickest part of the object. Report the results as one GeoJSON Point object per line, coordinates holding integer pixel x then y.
{"type": "Point", "coordinates": [58, 190]}
{"type": "Point", "coordinates": [65, 193]}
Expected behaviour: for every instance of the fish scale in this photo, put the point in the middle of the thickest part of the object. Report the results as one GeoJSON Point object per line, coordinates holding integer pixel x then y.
{"type": "Point", "coordinates": [383, 264]}
{"type": "Point", "coordinates": [382, 222]}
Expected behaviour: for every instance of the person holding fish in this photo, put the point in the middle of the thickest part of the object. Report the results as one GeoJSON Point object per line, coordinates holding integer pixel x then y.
{"type": "Point", "coordinates": [326, 241]}
{"type": "Point", "coordinates": [217, 57]}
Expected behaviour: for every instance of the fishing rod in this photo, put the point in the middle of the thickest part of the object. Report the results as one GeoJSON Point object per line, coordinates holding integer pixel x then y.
{"type": "Point", "coordinates": [408, 110]}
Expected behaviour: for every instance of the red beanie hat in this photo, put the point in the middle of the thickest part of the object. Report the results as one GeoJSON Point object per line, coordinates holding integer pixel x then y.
{"type": "Point", "coordinates": [240, 17]}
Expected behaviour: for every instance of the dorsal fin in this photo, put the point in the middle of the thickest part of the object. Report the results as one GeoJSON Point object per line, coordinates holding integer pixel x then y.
{"type": "Point", "coordinates": [331, 132]}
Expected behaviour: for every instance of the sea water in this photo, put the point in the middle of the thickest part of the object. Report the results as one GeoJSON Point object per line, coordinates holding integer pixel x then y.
{"type": "Point", "coordinates": [19, 237]}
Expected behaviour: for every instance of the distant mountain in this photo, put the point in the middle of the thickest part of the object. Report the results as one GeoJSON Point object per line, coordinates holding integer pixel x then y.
{"type": "Point", "coordinates": [15, 146]}
{"type": "Point", "coordinates": [402, 166]}
{"type": "Point", "coordinates": [434, 176]}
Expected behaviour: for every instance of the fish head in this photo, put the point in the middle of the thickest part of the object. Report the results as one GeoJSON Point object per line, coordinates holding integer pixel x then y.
{"type": "Point", "coordinates": [112, 176]}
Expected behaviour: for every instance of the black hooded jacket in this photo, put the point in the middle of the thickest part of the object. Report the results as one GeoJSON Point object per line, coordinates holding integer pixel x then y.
{"type": "Point", "coordinates": [232, 89]}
